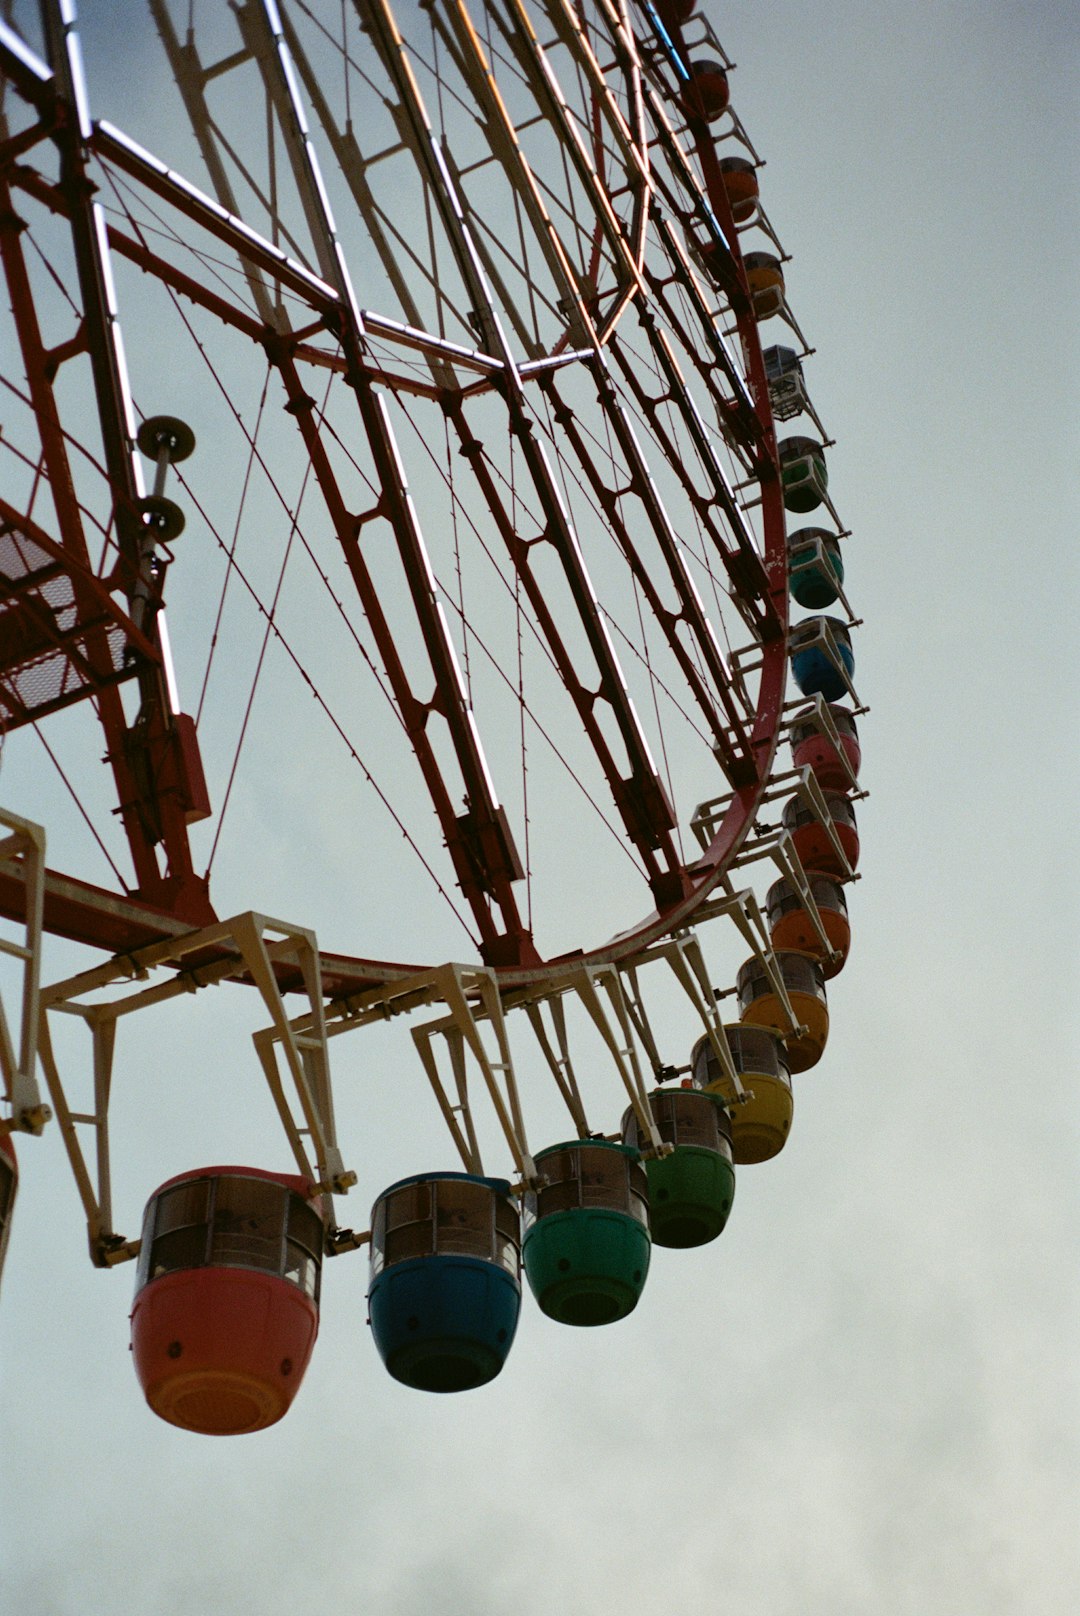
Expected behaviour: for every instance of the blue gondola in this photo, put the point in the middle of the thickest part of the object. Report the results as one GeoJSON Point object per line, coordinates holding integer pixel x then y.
{"type": "Point", "coordinates": [445, 1289]}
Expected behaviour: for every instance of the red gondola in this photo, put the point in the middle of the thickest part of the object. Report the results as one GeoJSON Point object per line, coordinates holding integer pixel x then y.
{"type": "Point", "coordinates": [9, 1184]}
{"type": "Point", "coordinates": [811, 839]}
{"type": "Point", "coordinates": [811, 747]}
{"type": "Point", "coordinates": [706, 93]}
{"type": "Point", "coordinates": [226, 1300]}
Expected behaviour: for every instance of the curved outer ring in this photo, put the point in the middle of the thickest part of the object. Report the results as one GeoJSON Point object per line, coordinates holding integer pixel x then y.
{"type": "Point", "coordinates": [119, 924]}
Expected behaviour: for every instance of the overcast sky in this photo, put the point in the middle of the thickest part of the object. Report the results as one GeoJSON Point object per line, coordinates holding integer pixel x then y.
{"type": "Point", "coordinates": [864, 1397]}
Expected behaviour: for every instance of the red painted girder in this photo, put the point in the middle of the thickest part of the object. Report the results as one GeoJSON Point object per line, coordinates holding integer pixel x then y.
{"type": "Point", "coordinates": [135, 751]}
{"type": "Point", "coordinates": [478, 841]}
{"type": "Point", "coordinates": [736, 760]}
{"type": "Point", "coordinates": [643, 807]}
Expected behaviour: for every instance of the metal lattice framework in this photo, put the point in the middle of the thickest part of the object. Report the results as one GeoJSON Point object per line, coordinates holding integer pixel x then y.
{"type": "Point", "coordinates": [462, 293]}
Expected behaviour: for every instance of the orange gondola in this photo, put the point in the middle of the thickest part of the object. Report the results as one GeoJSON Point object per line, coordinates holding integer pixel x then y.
{"type": "Point", "coordinates": [791, 925]}
{"type": "Point", "coordinates": [761, 1005]}
{"type": "Point", "coordinates": [741, 185]}
{"type": "Point", "coordinates": [226, 1300]}
{"type": "Point", "coordinates": [706, 93]}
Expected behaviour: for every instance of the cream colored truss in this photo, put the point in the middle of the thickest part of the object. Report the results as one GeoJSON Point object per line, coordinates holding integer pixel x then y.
{"type": "Point", "coordinates": [249, 946]}
{"type": "Point", "coordinates": [22, 853]}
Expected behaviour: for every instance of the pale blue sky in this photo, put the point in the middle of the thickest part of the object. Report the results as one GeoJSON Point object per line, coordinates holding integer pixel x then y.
{"type": "Point", "coordinates": [864, 1397]}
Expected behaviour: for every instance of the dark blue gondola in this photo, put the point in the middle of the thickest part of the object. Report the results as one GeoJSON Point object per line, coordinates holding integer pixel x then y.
{"type": "Point", "coordinates": [820, 667]}
{"type": "Point", "coordinates": [445, 1289]}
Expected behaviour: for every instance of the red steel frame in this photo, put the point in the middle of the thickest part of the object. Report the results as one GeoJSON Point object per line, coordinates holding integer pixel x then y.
{"type": "Point", "coordinates": [146, 754]}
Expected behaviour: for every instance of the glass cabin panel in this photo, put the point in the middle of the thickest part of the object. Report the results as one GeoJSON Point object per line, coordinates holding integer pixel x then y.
{"type": "Point", "coordinates": [752, 983]}
{"type": "Point", "coordinates": [754, 1049]}
{"type": "Point", "coordinates": [410, 1204]}
{"type": "Point", "coordinates": [303, 1248]}
{"type": "Point", "coordinates": [798, 813]}
{"type": "Point", "coordinates": [694, 1123]}
{"type": "Point", "coordinates": [663, 1115]}
{"type": "Point", "coordinates": [302, 1269]}
{"type": "Point", "coordinates": [507, 1221]}
{"type": "Point", "coordinates": [404, 1224]}
{"type": "Point", "coordinates": [464, 1220]}
{"type": "Point", "coordinates": [305, 1225]}
{"type": "Point", "coordinates": [249, 1224]}
{"type": "Point", "coordinates": [142, 1266]}
{"type": "Point", "coordinates": [802, 975]}
{"type": "Point", "coordinates": [409, 1240]}
{"type": "Point", "coordinates": [561, 1197]}
{"type": "Point", "coordinates": [827, 895]}
{"type": "Point", "coordinates": [560, 1166]}
{"type": "Point", "coordinates": [378, 1238]}
{"type": "Point", "coordinates": [182, 1206]}
{"type": "Point", "coordinates": [507, 1254]}
{"type": "Point", "coordinates": [180, 1248]}
{"type": "Point", "coordinates": [638, 1192]}
{"type": "Point", "coordinates": [604, 1179]}
{"type": "Point", "coordinates": [507, 1235]}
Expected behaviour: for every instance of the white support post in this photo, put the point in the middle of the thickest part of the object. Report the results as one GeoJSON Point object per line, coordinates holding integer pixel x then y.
{"type": "Point", "coordinates": [561, 1066]}
{"type": "Point", "coordinates": [305, 1052]}
{"type": "Point", "coordinates": [458, 1118]}
{"type": "Point", "coordinates": [684, 957]}
{"type": "Point", "coordinates": [585, 983]}
{"type": "Point", "coordinates": [471, 994]}
{"type": "Point", "coordinates": [780, 849]}
{"type": "Point", "coordinates": [22, 853]}
{"type": "Point", "coordinates": [248, 947]}
{"type": "Point", "coordinates": [106, 1247]}
{"type": "Point", "coordinates": [639, 1017]}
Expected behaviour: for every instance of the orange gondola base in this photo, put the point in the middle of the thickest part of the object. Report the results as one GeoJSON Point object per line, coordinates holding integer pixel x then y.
{"type": "Point", "coordinates": [226, 1306]}
{"type": "Point", "coordinates": [761, 1006]}
{"type": "Point", "coordinates": [792, 927]}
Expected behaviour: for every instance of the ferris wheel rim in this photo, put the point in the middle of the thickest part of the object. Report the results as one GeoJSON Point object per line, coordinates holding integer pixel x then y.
{"type": "Point", "coordinates": [701, 875]}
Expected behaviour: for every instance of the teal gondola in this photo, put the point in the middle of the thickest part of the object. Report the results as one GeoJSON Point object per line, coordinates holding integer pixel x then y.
{"type": "Point", "coordinates": [815, 567]}
{"type": "Point", "coordinates": [691, 1189]}
{"type": "Point", "coordinates": [803, 473]}
{"type": "Point", "coordinates": [586, 1247]}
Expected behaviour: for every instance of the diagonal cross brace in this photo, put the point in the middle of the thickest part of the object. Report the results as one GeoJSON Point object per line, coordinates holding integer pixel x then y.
{"type": "Point", "coordinates": [276, 957]}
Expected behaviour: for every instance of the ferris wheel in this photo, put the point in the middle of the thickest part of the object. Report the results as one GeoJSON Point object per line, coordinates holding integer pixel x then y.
{"type": "Point", "coordinates": [394, 520]}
